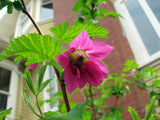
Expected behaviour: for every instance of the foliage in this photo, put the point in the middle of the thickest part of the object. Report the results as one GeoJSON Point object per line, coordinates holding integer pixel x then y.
{"type": "Point", "coordinates": [62, 33]}
{"type": "Point", "coordinates": [4, 113]}
{"type": "Point", "coordinates": [16, 4]}
{"type": "Point", "coordinates": [148, 115]}
{"type": "Point", "coordinates": [88, 10]}
{"type": "Point", "coordinates": [76, 113]}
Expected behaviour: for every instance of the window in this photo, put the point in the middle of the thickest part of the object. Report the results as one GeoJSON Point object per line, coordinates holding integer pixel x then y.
{"type": "Point", "coordinates": [24, 23]}
{"type": "Point", "coordinates": [51, 89]}
{"type": "Point", "coordinates": [46, 9]}
{"type": "Point", "coordinates": [141, 25]}
{"type": "Point", "coordinates": [8, 87]}
{"type": "Point", "coordinates": [4, 87]}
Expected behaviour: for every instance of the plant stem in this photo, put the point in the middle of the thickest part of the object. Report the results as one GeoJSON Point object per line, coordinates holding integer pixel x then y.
{"type": "Point", "coordinates": [116, 101]}
{"type": "Point", "coordinates": [92, 104]}
{"type": "Point", "coordinates": [63, 88]}
{"type": "Point", "coordinates": [25, 11]}
{"type": "Point", "coordinates": [39, 108]}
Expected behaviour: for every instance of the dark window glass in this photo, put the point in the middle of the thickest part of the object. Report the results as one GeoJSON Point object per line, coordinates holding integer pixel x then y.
{"type": "Point", "coordinates": [3, 102]}
{"type": "Point", "coordinates": [155, 6]}
{"type": "Point", "coordinates": [144, 27]}
{"type": "Point", "coordinates": [4, 79]}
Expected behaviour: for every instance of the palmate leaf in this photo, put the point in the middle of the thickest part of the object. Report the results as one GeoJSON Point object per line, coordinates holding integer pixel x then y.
{"type": "Point", "coordinates": [69, 35]}
{"type": "Point", "coordinates": [77, 113]}
{"type": "Point", "coordinates": [36, 48]}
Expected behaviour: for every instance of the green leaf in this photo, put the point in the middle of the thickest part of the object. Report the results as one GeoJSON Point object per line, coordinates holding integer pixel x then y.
{"type": "Point", "coordinates": [9, 9]}
{"type": "Point", "coordinates": [44, 85]}
{"type": "Point", "coordinates": [77, 6]}
{"type": "Point", "coordinates": [133, 113]}
{"type": "Point", "coordinates": [113, 14]}
{"type": "Point", "coordinates": [28, 80]}
{"type": "Point", "coordinates": [40, 73]}
{"type": "Point", "coordinates": [59, 30]}
{"type": "Point", "coordinates": [27, 100]}
{"type": "Point", "coordinates": [149, 108]}
{"type": "Point", "coordinates": [36, 48]}
{"type": "Point", "coordinates": [4, 113]}
{"type": "Point", "coordinates": [79, 20]}
{"type": "Point", "coordinates": [76, 113]}
{"type": "Point", "coordinates": [87, 115]}
{"type": "Point", "coordinates": [92, 29]}
{"type": "Point", "coordinates": [129, 65]}
{"type": "Point", "coordinates": [17, 5]}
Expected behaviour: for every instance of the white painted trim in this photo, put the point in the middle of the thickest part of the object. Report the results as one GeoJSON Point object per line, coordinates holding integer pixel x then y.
{"type": "Point", "coordinates": [45, 21]}
{"type": "Point", "coordinates": [11, 101]}
{"type": "Point", "coordinates": [38, 10]}
{"type": "Point", "coordinates": [7, 64]}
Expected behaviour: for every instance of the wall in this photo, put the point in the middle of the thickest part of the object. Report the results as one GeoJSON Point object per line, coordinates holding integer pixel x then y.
{"type": "Point", "coordinates": [115, 61]}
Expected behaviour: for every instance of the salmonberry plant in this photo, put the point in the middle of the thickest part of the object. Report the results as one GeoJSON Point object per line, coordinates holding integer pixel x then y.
{"type": "Point", "coordinates": [78, 67]}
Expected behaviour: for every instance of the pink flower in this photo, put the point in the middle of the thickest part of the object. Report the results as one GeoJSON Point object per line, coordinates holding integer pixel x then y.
{"type": "Point", "coordinates": [32, 66]}
{"type": "Point", "coordinates": [99, 114]}
{"type": "Point", "coordinates": [133, 72]}
{"type": "Point", "coordinates": [82, 64]}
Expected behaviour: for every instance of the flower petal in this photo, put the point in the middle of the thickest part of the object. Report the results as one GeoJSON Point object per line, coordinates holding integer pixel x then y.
{"type": "Point", "coordinates": [32, 66]}
{"type": "Point", "coordinates": [103, 69]}
{"type": "Point", "coordinates": [82, 41]}
{"type": "Point", "coordinates": [63, 59]}
{"type": "Point", "coordinates": [91, 73]}
{"type": "Point", "coordinates": [71, 76]}
{"type": "Point", "coordinates": [99, 51]}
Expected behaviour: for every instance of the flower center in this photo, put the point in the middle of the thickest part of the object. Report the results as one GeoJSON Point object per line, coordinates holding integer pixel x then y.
{"type": "Point", "coordinates": [78, 58]}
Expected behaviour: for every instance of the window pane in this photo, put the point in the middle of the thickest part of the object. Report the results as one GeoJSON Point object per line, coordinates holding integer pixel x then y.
{"type": "Point", "coordinates": [47, 11]}
{"type": "Point", "coordinates": [4, 79]}
{"type": "Point", "coordinates": [144, 27]}
{"type": "Point", "coordinates": [155, 6]}
{"type": "Point", "coordinates": [3, 102]}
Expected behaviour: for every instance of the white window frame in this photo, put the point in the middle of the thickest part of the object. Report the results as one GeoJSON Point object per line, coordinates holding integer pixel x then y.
{"type": "Point", "coordinates": [12, 94]}
{"type": "Point", "coordinates": [130, 32]}
{"type": "Point", "coordinates": [38, 13]}
{"type": "Point", "coordinates": [46, 95]}
{"type": "Point", "coordinates": [19, 31]}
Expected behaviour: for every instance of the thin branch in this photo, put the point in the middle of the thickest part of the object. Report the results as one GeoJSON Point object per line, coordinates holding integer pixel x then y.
{"type": "Point", "coordinates": [116, 100]}
{"type": "Point", "coordinates": [92, 104]}
{"type": "Point", "coordinates": [62, 83]}
{"type": "Point", "coordinates": [39, 108]}
{"type": "Point", "coordinates": [25, 11]}
{"type": "Point", "coordinates": [63, 88]}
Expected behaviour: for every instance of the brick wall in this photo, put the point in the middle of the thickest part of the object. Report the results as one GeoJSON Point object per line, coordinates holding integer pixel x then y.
{"type": "Point", "coordinates": [115, 61]}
